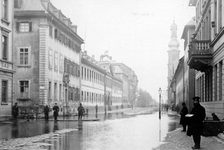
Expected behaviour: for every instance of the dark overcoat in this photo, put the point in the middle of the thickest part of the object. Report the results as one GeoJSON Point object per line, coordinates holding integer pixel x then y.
{"type": "Point", "coordinates": [183, 112]}
{"type": "Point", "coordinates": [196, 121]}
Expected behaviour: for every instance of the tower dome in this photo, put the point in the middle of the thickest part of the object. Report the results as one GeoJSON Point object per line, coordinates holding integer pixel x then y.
{"type": "Point", "coordinates": [174, 43]}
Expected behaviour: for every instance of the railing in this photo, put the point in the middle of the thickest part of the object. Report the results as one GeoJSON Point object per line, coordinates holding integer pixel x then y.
{"type": "Point", "coordinates": [201, 47]}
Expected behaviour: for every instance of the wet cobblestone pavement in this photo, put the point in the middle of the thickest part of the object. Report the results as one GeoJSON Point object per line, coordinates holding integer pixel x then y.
{"type": "Point", "coordinates": [33, 143]}
{"type": "Point", "coordinates": [177, 140]}
{"type": "Point", "coordinates": [143, 132]}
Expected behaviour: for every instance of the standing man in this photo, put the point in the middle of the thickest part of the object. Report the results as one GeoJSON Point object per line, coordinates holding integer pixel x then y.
{"type": "Point", "coordinates": [56, 110]}
{"type": "Point", "coordinates": [183, 112]}
{"type": "Point", "coordinates": [81, 111]}
{"type": "Point", "coordinates": [15, 111]}
{"type": "Point", "coordinates": [198, 112]}
{"type": "Point", "coordinates": [46, 112]}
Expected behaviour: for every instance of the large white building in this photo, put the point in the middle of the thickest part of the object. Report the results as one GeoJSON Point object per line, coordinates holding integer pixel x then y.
{"type": "Point", "coordinates": [206, 54]}
{"type": "Point", "coordinates": [47, 56]}
{"type": "Point", "coordinates": [6, 57]}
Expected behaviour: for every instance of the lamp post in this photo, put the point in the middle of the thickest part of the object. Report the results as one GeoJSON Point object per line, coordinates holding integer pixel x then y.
{"type": "Point", "coordinates": [160, 92]}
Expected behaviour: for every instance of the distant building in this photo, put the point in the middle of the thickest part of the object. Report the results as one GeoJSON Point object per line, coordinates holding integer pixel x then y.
{"type": "Point", "coordinates": [177, 83]}
{"type": "Point", "coordinates": [173, 59]}
{"type": "Point", "coordinates": [6, 57]}
{"type": "Point", "coordinates": [124, 73]}
{"type": "Point", "coordinates": [47, 56]}
{"type": "Point", "coordinates": [98, 86]}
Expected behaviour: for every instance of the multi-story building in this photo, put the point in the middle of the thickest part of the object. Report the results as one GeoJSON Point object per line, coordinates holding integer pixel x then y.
{"type": "Point", "coordinates": [177, 83]}
{"type": "Point", "coordinates": [124, 73]}
{"type": "Point", "coordinates": [206, 54]}
{"type": "Point", "coordinates": [6, 57]}
{"type": "Point", "coordinates": [173, 59]}
{"type": "Point", "coordinates": [47, 56]}
{"type": "Point", "coordinates": [98, 87]}
{"type": "Point", "coordinates": [92, 82]}
{"type": "Point", "coordinates": [189, 74]}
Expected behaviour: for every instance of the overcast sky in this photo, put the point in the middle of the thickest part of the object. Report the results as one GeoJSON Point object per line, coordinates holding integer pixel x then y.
{"type": "Point", "coordinates": [135, 32]}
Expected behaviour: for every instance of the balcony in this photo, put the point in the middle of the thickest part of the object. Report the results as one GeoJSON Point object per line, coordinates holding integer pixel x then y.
{"type": "Point", "coordinates": [200, 55]}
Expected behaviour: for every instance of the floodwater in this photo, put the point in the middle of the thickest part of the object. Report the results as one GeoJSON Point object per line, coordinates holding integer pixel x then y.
{"type": "Point", "coordinates": [142, 132]}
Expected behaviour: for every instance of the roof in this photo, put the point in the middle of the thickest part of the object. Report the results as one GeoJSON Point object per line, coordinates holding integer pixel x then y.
{"type": "Point", "coordinates": [190, 24]}
{"type": "Point", "coordinates": [45, 8]}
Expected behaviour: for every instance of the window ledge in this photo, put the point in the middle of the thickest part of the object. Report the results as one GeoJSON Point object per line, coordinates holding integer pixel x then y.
{"type": "Point", "coordinates": [5, 21]}
{"type": "Point", "coordinates": [24, 99]}
{"type": "Point", "coordinates": [24, 66]}
{"type": "Point", "coordinates": [4, 103]}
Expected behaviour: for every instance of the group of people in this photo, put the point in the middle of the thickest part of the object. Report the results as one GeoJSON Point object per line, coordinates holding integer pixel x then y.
{"type": "Point", "coordinates": [81, 111]}
{"type": "Point", "coordinates": [194, 121]}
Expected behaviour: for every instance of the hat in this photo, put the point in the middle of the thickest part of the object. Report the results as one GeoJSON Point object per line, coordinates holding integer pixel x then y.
{"type": "Point", "coordinates": [196, 98]}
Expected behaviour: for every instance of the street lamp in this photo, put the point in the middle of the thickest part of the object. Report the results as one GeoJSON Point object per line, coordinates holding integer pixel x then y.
{"type": "Point", "coordinates": [160, 92]}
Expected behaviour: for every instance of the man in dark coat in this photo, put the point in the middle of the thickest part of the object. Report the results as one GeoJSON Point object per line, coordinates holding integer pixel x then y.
{"type": "Point", "coordinates": [56, 110]}
{"type": "Point", "coordinates": [46, 112]}
{"type": "Point", "coordinates": [183, 120]}
{"type": "Point", "coordinates": [15, 111]}
{"type": "Point", "coordinates": [81, 111]}
{"type": "Point", "coordinates": [198, 112]}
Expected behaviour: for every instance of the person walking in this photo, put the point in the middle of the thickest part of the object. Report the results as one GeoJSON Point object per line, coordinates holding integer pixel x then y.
{"type": "Point", "coordinates": [198, 112]}
{"type": "Point", "coordinates": [56, 110]}
{"type": "Point", "coordinates": [183, 120]}
{"type": "Point", "coordinates": [15, 111]}
{"type": "Point", "coordinates": [81, 111]}
{"type": "Point", "coordinates": [46, 112]}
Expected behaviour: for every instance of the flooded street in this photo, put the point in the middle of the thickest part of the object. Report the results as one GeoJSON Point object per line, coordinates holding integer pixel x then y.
{"type": "Point", "coordinates": [138, 132]}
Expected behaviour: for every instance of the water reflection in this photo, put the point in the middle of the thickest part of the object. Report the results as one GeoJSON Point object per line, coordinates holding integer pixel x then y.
{"type": "Point", "coordinates": [46, 127]}
{"type": "Point", "coordinates": [139, 132]}
{"type": "Point", "coordinates": [15, 132]}
{"type": "Point", "coordinates": [55, 126]}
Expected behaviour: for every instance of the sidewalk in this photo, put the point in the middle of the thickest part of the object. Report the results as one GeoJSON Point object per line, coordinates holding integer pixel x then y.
{"type": "Point", "coordinates": [177, 140]}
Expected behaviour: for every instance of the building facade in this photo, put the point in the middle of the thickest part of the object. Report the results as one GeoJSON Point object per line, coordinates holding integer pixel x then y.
{"type": "Point", "coordinates": [173, 59]}
{"type": "Point", "coordinates": [126, 75]}
{"type": "Point", "coordinates": [47, 56]}
{"type": "Point", "coordinates": [206, 54]}
{"type": "Point", "coordinates": [189, 74]}
{"type": "Point", "coordinates": [98, 86]}
{"type": "Point", "coordinates": [6, 57]}
{"type": "Point", "coordinates": [177, 84]}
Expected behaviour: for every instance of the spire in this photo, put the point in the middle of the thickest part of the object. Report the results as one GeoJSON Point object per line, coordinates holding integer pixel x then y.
{"type": "Point", "coordinates": [173, 44]}
{"type": "Point", "coordinates": [173, 30]}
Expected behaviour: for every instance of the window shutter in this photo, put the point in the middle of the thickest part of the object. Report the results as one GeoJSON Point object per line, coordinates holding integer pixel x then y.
{"type": "Point", "coordinates": [30, 26]}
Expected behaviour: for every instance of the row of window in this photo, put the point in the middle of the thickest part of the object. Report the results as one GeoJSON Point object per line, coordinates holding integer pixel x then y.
{"type": "Point", "coordinates": [92, 97]}
{"type": "Point", "coordinates": [58, 93]}
{"type": "Point", "coordinates": [207, 24]}
{"type": "Point", "coordinates": [209, 85]}
{"type": "Point", "coordinates": [56, 61]}
{"type": "Point", "coordinates": [71, 68]}
{"type": "Point", "coordinates": [61, 37]}
{"type": "Point", "coordinates": [91, 75]}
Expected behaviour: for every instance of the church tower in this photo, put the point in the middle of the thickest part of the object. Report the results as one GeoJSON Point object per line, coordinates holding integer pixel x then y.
{"type": "Point", "coordinates": [173, 55]}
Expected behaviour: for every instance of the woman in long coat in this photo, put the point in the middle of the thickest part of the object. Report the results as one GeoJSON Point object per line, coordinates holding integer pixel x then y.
{"type": "Point", "coordinates": [183, 120]}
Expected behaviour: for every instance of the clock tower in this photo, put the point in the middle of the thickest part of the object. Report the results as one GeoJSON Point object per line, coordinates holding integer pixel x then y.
{"type": "Point", "coordinates": [173, 56]}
